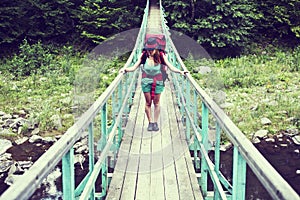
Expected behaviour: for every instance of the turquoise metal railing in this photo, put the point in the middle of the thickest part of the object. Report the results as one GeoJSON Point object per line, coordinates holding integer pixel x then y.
{"type": "Point", "coordinates": [111, 107]}
{"type": "Point", "coordinates": [192, 99]}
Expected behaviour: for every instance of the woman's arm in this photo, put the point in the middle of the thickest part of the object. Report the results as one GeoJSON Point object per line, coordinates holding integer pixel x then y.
{"type": "Point", "coordinates": [134, 67]}
{"type": "Point", "coordinates": [171, 67]}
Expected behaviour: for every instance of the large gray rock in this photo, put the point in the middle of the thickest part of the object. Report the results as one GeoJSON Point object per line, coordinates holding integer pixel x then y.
{"type": "Point", "coordinates": [8, 123]}
{"type": "Point", "coordinates": [204, 70]}
{"type": "Point", "coordinates": [25, 164]}
{"type": "Point", "coordinates": [5, 156]}
{"type": "Point", "coordinates": [79, 158]}
{"type": "Point", "coordinates": [56, 121]}
{"type": "Point", "coordinates": [82, 149]}
{"type": "Point", "coordinates": [5, 132]}
{"type": "Point", "coordinates": [265, 121]}
{"type": "Point", "coordinates": [21, 140]}
{"type": "Point", "coordinates": [261, 133]}
{"type": "Point", "coordinates": [226, 105]}
{"type": "Point", "coordinates": [6, 116]}
{"type": "Point", "coordinates": [11, 179]}
{"type": "Point", "coordinates": [19, 122]}
{"type": "Point", "coordinates": [35, 139]}
{"type": "Point", "coordinates": [5, 165]}
{"type": "Point", "coordinates": [49, 140]}
{"type": "Point", "coordinates": [35, 131]}
{"type": "Point", "coordinates": [296, 139]}
{"type": "Point", "coordinates": [49, 182]}
{"type": "Point", "coordinates": [4, 145]}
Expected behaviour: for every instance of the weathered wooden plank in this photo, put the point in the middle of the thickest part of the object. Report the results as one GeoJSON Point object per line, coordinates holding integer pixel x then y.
{"type": "Point", "coordinates": [157, 162]}
{"type": "Point", "coordinates": [143, 179]}
{"type": "Point", "coordinates": [157, 180]}
{"type": "Point", "coordinates": [170, 182]}
{"type": "Point", "coordinates": [192, 175]}
{"type": "Point", "coordinates": [157, 189]}
{"type": "Point", "coordinates": [184, 173]}
{"type": "Point", "coordinates": [131, 175]}
{"type": "Point", "coordinates": [116, 185]}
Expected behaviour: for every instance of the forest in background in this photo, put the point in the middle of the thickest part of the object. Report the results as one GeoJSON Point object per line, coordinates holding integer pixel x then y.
{"type": "Point", "coordinates": [234, 26]}
{"type": "Point", "coordinates": [44, 43]}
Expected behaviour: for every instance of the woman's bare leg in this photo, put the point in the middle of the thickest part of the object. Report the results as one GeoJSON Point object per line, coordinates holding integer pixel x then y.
{"type": "Point", "coordinates": [148, 106]}
{"type": "Point", "coordinates": [156, 107]}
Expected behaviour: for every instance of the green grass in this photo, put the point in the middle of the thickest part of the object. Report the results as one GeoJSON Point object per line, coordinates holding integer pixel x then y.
{"type": "Point", "coordinates": [262, 85]}
{"type": "Point", "coordinates": [50, 90]}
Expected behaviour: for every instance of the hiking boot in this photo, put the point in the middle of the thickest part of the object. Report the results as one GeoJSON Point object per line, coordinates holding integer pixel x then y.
{"type": "Point", "coordinates": [150, 127]}
{"type": "Point", "coordinates": [155, 126]}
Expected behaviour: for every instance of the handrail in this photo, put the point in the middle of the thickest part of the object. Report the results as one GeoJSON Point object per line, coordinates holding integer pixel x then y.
{"type": "Point", "coordinates": [64, 146]}
{"type": "Point", "coordinates": [43, 166]}
{"type": "Point", "coordinates": [277, 187]}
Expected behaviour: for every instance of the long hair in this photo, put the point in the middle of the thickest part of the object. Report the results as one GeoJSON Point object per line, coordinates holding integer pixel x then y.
{"type": "Point", "coordinates": [155, 54]}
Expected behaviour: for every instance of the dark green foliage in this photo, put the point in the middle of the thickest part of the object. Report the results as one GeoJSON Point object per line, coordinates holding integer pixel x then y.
{"type": "Point", "coordinates": [79, 22]}
{"type": "Point", "coordinates": [32, 59]}
{"type": "Point", "coordinates": [104, 18]}
{"type": "Point", "coordinates": [214, 24]}
{"type": "Point", "coordinates": [224, 27]}
{"type": "Point", "coordinates": [47, 20]}
{"type": "Point", "coordinates": [281, 20]}
{"type": "Point", "coordinates": [38, 59]}
{"type": "Point", "coordinates": [229, 27]}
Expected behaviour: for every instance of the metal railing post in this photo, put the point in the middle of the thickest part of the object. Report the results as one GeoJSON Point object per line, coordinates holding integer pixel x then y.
{"type": "Point", "coordinates": [188, 104]}
{"type": "Point", "coordinates": [217, 157]}
{"type": "Point", "coordinates": [204, 133]}
{"type": "Point", "coordinates": [239, 175]}
{"type": "Point", "coordinates": [196, 142]}
{"type": "Point", "coordinates": [68, 175]}
{"type": "Point", "coordinates": [104, 135]}
{"type": "Point", "coordinates": [91, 154]}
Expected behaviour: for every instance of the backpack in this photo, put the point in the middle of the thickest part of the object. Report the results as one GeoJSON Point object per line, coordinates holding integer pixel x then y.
{"type": "Point", "coordinates": [159, 39]}
{"type": "Point", "coordinates": [156, 41]}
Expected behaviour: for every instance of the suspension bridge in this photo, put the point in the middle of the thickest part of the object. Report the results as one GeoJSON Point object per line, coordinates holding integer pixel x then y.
{"type": "Point", "coordinates": [172, 163]}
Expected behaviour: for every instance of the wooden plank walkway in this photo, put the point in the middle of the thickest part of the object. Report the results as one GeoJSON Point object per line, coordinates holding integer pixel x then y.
{"type": "Point", "coordinates": [154, 165]}
{"type": "Point", "coordinates": [154, 20]}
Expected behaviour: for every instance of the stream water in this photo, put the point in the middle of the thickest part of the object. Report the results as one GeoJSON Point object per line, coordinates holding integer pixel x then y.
{"type": "Point", "coordinates": [284, 158]}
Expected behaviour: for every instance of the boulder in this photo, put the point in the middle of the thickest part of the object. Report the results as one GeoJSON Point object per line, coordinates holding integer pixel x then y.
{"type": "Point", "coordinates": [5, 132]}
{"type": "Point", "coordinates": [49, 140]}
{"type": "Point", "coordinates": [82, 149]}
{"type": "Point", "coordinates": [35, 131]}
{"type": "Point", "coordinates": [56, 121]}
{"type": "Point", "coordinates": [226, 105]}
{"type": "Point", "coordinates": [5, 165]}
{"type": "Point", "coordinates": [296, 139]}
{"type": "Point", "coordinates": [225, 147]}
{"type": "Point", "coordinates": [6, 116]}
{"type": "Point", "coordinates": [256, 140]}
{"type": "Point", "coordinates": [265, 121]}
{"type": "Point", "coordinates": [261, 133]}
{"type": "Point", "coordinates": [25, 164]}
{"type": "Point", "coordinates": [4, 145]}
{"type": "Point", "coordinates": [11, 179]}
{"type": "Point", "coordinates": [79, 158]}
{"type": "Point", "coordinates": [204, 70]}
{"type": "Point", "coordinates": [21, 140]}
{"type": "Point", "coordinates": [49, 182]}
{"type": "Point", "coordinates": [35, 139]}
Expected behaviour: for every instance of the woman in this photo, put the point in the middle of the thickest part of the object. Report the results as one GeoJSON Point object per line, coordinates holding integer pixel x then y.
{"type": "Point", "coordinates": [152, 82]}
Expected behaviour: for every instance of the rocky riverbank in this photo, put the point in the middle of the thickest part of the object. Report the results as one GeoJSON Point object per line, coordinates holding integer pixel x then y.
{"type": "Point", "coordinates": [16, 156]}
